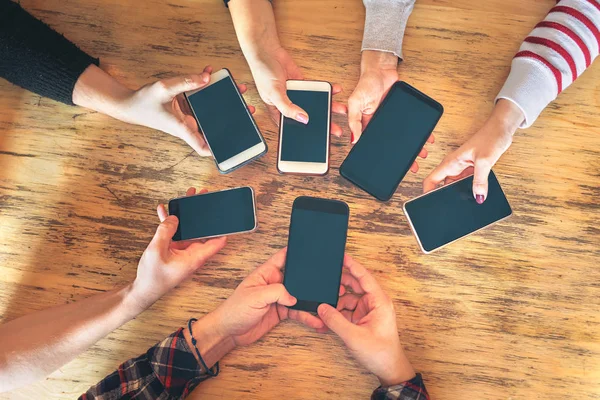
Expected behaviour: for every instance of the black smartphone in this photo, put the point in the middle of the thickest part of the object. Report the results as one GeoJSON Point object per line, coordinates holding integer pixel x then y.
{"type": "Point", "coordinates": [315, 254]}
{"type": "Point", "coordinates": [208, 215]}
{"type": "Point", "coordinates": [223, 117]}
{"type": "Point", "coordinates": [450, 212]}
{"type": "Point", "coordinates": [392, 141]}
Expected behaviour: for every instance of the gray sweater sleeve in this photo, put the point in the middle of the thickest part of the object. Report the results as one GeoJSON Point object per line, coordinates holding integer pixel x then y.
{"type": "Point", "coordinates": [385, 22]}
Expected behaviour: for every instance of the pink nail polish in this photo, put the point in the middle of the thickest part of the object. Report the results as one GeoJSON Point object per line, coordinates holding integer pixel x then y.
{"type": "Point", "coordinates": [479, 199]}
{"type": "Point", "coordinates": [302, 118]}
{"type": "Point", "coordinates": [351, 137]}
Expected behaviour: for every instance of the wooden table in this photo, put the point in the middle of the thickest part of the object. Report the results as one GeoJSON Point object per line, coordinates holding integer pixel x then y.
{"type": "Point", "coordinates": [509, 313]}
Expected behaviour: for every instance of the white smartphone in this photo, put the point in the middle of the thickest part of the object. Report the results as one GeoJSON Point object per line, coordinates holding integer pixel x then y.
{"type": "Point", "coordinates": [223, 117]}
{"type": "Point", "coordinates": [450, 212]}
{"type": "Point", "coordinates": [304, 148]}
{"type": "Point", "coordinates": [214, 214]}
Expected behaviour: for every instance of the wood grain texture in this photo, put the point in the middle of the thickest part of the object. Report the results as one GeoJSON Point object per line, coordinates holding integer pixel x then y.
{"type": "Point", "coordinates": [509, 313]}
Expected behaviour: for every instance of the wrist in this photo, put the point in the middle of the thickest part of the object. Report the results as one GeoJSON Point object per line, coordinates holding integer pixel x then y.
{"type": "Point", "coordinates": [507, 116]}
{"type": "Point", "coordinates": [373, 60]}
{"type": "Point", "coordinates": [400, 371]}
{"type": "Point", "coordinates": [211, 342]}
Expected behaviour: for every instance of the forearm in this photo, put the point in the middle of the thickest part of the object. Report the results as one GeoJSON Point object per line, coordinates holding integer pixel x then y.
{"type": "Point", "coordinates": [385, 23]}
{"type": "Point", "coordinates": [255, 27]}
{"type": "Point", "coordinates": [33, 346]}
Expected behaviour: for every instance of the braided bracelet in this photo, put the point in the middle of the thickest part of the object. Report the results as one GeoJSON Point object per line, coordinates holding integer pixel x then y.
{"type": "Point", "coordinates": [214, 371]}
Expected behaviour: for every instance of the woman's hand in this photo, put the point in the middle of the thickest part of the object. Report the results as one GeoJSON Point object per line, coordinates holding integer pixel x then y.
{"type": "Point", "coordinates": [258, 304]}
{"type": "Point", "coordinates": [366, 321]}
{"type": "Point", "coordinates": [479, 154]}
{"type": "Point", "coordinates": [378, 72]}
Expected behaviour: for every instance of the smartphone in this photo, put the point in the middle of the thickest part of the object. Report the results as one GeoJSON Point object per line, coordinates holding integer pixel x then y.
{"type": "Point", "coordinates": [209, 215]}
{"type": "Point", "coordinates": [450, 212]}
{"type": "Point", "coordinates": [392, 141]}
{"type": "Point", "coordinates": [224, 119]}
{"type": "Point", "coordinates": [315, 254]}
{"type": "Point", "coordinates": [304, 148]}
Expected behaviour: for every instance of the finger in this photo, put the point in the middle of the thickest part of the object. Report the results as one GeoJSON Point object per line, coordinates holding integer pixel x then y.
{"type": "Point", "coordinates": [202, 191]}
{"type": "Point", "coordinates": [208, 69]}
{"type": "Point", "coordinates": [306, 319]}
{"type": "Point", "coordinates": [342, 291]}
{"type": "Point", "coordinates": [366, 118]}
{"type": "Point", "coordinates": [480, 180]}
{"type": "Point", "coordinates": [349, 301]}
{"type": "Point", "coordinates": [173, 86]}
{"type": "Point", "coordinates": [347, 314]}
{"type": "Point", "coordinates": [191, 191]}
{"type": "Point", "coordinates": [201, 252]}
{"type": "Point", "coordinates": [423, 153]}
{"type": "Point", "coordinates": [336, 88]}
{"type": "Point", "coordinates": [164, 232]}
{"type": "Point", "coordinates": [274, 293]}
{"type": "Point", "coordinates": [354, 120]}
{"type": "Point", "coordinates": [252, 109]}
{"type": "Point", "coordinates": [336, 130]}
{"type": "Point", "coordinates": [193, 137]}
{"type": "Point", "coordinates": [242, 88]}
{"type": "Point", "coordinates": [365, 279]}
{"type": "Point", "coordinates": [414, 168]}
{"type": "Point", "coordinates": [351, 282]}
{"type": "Point", "coordinates": [337, 322]}
{"type": "Point", "coordinates": [450, 166]}
{"type": "Point", "coordinates": [289, 109]}
{"type": "Point", "coordinates": [162, 213]}
{"type": "Point", "coordinates": [431, 139]}
{"type": "Point", "coordinates": [339, 108]}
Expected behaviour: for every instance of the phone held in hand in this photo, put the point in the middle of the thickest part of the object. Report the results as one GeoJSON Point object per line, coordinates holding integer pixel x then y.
{"type": "Point", "coordinates": [392, 141]}
{"type": "Point", "coordinates": [228, 127]}
{"type": "Point", "coordinates": [214, 214]}
{"type": "Point", "coordinates": [304, 148]}
{"type": "Point", "coordinates": [315, 253]}
{"type": "Point", "coordinates": [450, 212]}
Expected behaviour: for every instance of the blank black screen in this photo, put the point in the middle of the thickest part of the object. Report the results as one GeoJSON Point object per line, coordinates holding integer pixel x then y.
{"type": "Point", "coordinates": [451, 212]}
{"type": "Point", "coordinates": [315, 254]}
{"type": "Point", "coordinates": [306, 143]}
{"type": "Point", "coordinates": [224, 119]}
{"type": "Point", "coordinates": [212, 214]}
{"type": "Point", "coordinates": [392, 140]}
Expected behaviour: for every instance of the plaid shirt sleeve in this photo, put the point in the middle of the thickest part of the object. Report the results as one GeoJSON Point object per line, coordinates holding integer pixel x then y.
{"type": "Point", "coordinates": [409, 390]}
{"type": "Point", "coordinates": [167, 371]}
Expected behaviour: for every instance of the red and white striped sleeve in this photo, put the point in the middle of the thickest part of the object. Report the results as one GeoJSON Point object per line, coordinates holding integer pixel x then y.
{"type": "Point", "coordinates": [555, 53]}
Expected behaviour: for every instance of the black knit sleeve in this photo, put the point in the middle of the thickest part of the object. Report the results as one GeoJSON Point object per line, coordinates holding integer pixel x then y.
{"type": "Point", "coordinates": [37, 58]}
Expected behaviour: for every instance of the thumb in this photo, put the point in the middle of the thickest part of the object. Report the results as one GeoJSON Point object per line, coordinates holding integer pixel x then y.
{"type": "Point", "coordinates": [354, 120]}
{"type": "Point", "coordinates": [289, 109]}
{"type": "Point", "coordinates": [480, 180]}
{"type": "Point", "coordinates": [276, 293]}
{"type": "Point", "coordinates": [165, 231]}
{"type": "Point", "coordinates": [336, 321]}
{"type": "Point", "coordinates": [173, 86]}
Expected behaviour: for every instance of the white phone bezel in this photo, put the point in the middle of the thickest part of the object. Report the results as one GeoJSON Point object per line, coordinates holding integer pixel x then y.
{"type": "Point", "coordinates": [416, 235]}
{"type": "Point", "coordinates": [245, 155]}
{"type": "Point", "coordinates": [298, 167]}
{"type": "Point", "coordinates": [228, 234]}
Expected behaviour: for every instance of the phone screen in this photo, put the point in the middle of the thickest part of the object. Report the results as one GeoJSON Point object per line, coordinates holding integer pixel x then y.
{"type": "Point", "coordinates": [315, 254]}
{"type": "Point", "coordinates": [451, 212]}
{"type": "Point", "coordinates": [392, 140]}
{"type": "Point", "coordinates": [306, 143]}
{"type": "Point", "coordinates": [224, 119]}
{"type": "Point", "coordinates": [214, 214]}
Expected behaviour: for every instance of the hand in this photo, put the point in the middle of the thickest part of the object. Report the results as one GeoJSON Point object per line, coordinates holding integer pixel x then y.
{"type": "Point", "coordinates": [378, 74]}
{"type": "Point", "coordinates": [479, 154]}
{"type": "Point", "coordinates": [366, 321]}
{"type": "Point", "coordinates": [258, 304]}
{"type": "Point", "coordinates": [165, 264]}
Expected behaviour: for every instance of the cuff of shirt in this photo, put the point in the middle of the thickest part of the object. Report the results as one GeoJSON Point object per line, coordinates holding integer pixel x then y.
{"type": "Point", "coordinates": [385, 23]}
{"type": "Point", "coordinates": [409, 390]}
{"type": "Point", "coordinates": [531, 86]}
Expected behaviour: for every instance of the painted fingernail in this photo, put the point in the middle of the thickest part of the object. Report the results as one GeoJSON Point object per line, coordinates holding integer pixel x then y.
{"type": "Point", "coordinates": [302, 118]}
{"type": "Point", "coordinates": [479, 199]}
{"type": "Point", "coordinates": [352, 137]}
{"type": "Point", "coordinates": [205, 78]}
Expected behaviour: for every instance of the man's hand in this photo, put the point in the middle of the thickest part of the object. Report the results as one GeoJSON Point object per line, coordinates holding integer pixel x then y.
{"type": "Point", "coordinates": [258, 304]}
{"type": "Point", "coordinates": [378, 72]}
{"type": "Point", "coordinates": [366, 321]}
{"type": "Point", "coordinates": [479, 154]}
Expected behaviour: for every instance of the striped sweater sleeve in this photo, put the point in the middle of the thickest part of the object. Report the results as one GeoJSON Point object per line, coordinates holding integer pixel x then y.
{"type": "Point", "coordinates": [555, 53]}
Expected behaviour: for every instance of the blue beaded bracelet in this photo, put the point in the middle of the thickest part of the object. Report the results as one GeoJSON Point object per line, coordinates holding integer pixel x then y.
{"type": "Point", "coordinates": [214, 371]}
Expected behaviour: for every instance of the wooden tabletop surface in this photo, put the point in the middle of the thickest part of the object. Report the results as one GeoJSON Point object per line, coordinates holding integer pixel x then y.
{"type": "Point", "coordinates": [509, 313]}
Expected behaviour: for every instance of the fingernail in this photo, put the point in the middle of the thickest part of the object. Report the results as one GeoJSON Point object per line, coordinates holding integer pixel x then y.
{"type": "Point", "coordinates": [302, 118]}
{"type": "Point", "coordinates": [205, 78]}
{"type": "Point", "coordinates": [479, 199]}
{"type": "Point", "coordinates": [352, 137]}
